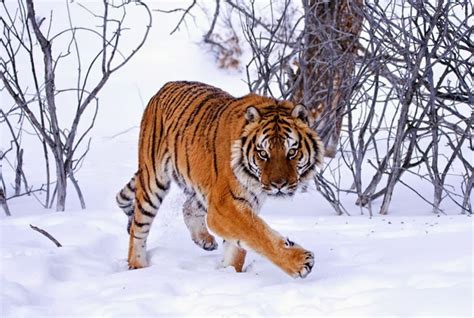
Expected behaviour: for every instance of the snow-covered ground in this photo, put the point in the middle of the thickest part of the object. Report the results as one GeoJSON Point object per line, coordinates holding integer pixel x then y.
{"type": "Point", "coordinates": [409, 263]}
{"type": "Point", "coordinates": [402, 266]}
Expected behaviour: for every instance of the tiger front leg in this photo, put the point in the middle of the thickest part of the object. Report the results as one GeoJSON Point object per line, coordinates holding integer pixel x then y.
{"type": "Point", "coordinates": [240, 224]}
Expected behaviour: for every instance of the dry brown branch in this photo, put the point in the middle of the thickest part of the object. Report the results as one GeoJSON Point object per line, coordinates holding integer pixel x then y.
{"type": "Point", "coordinates": [49, 236]}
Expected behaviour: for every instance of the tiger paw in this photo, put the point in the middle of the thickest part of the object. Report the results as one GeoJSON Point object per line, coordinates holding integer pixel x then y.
{"type": "Point", "coordinates": [297, 262]}
{"type": "Point", "coordinates": [206, 242]}
{"type": "Point", "coordinates": [307, 265]}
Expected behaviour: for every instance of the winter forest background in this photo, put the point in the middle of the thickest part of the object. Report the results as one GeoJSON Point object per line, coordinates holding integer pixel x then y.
{"type": "Point", "coordinates": [390, 84]}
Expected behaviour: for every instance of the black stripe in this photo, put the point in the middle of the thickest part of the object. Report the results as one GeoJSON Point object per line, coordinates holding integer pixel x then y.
{"type": "Point", "coordinates": [283, 122]}
{"type": "Point", "coordinates": [141, 178]}
{"type": "Point", "coordinates": [172, 89]}
{"type": "Point", "coordinates": [205, 122]}
{"type": "Point", "coordinates": [125, 205]}
{"type": "Point", "coordinates": [188, 165]}
{"type": "Point", "coordinates": [186, 99]}
{"type": "Point", "coordinates": [255, 198]}
{"type": "Point", "coordinates": [177, 121]}
{"type": "Point", "coordinates": [215, 116]}
{"type": "Point", "coordinates": [177, 94]}
{"type": "Point", "coordinates": [201, 206]}
{"type": "Point", "coordinates": [160, 185]}
{"type": "Point", "coordinates": [170, 101]}
{"type": "Point", "coordinates": [147, 199]}
{"type": "Point", "coordinates": [265, 138]}
{"type": "Point", "coordinates": [307, 144]}
{"type": "Point", "coordinates": [176, 101]}
{"type": "Point", "coordinates": [198, 108]}
{"type": "Point", "coordinates": [214, 162]}
{"type": "Point", "coordinates": [147, 213]}
{"type": "Point", "coordinates": [269, 108]}
{"type": "Point", "coordinates": [175, 154]}
{"type": "Point", "coordinates": [247, 171]}
{"type": "Point", "coordinates": [140, 224]}
{"type": "Point", "coordinates": [252, 165]}
{"type": "Point", "coordinates": [146, 186]}
{"type": "Point", "coordinates": [124, 197]}
{"type": "Point", "coordinates": [163, 95]}
{"type": "Point", "coordinates": [129, 186]}
{"type": "Point", "coordinates": [180, 183]}
{"type": "Point", "coordinates": [238, 198]}
{"type": "Point", "coordinates": [153, 143]}
{"type": "Point", "coordinates": [305, 173]}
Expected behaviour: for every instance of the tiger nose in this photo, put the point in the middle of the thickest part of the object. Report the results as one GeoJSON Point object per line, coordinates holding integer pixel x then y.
{"type": "Point", "coordinates": [280, 183]}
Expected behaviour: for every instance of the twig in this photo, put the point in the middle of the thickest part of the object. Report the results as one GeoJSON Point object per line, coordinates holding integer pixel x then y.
{"type": "Point", "coordinates": [37, 229]}
{"type": "Point", "coordinates": [183, 17]}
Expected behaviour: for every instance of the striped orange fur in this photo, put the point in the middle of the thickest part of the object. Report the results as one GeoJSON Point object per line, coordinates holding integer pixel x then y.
{"type": "Point", "coordinates": [227, 154]}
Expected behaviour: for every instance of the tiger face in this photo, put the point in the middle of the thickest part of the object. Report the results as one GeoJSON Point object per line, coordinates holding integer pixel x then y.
{"type": "Point", "coordinates": [277, 151]}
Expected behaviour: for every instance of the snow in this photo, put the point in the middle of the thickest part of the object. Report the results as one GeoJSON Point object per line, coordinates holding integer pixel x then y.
{"type": "Point", "coordinates": [409, 263]}
{"type": "Point", "coordinates": [393, 265]}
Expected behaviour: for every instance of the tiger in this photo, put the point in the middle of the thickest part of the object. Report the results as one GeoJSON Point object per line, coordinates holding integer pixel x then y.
{"type": "Point", "coordinates": [227, 154]}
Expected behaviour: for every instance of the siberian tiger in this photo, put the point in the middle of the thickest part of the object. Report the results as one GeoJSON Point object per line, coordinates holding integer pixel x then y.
{"type": "Point", "coordinates": [227, 154]}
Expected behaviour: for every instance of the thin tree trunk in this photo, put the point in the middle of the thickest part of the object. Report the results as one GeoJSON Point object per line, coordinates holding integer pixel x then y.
{"type": "Point", "coordinates": [3, 201]}
{"type": "Point", "coordinates": [332, 30]}
{"type": "Point", "coordinates": [18, 172]}
{"type": "Point", "coordinates": [61, 183]}
{"type": "Point", "coordinates": [466, 204]}
{"type": "Point", "coordinates": [49, 79]}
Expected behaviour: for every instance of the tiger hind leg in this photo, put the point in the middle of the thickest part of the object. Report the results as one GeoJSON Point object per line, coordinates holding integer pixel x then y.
{"type": "Point", "coordinates": [195, 219]}
{"type": "Point", "coordinates": [126, 200]}
{"type": "Point", "coordinates": [150, 192]}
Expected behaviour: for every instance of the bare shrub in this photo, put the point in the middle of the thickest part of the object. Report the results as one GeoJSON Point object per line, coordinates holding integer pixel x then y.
{"type": "Point", "coordinates": [391, 82]}
{"type": "Point", "coordinates": [38, 100]}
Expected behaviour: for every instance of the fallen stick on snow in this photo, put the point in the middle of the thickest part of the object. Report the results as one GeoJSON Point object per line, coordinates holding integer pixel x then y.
{"type": "Point", "coordinates": [46, 234]}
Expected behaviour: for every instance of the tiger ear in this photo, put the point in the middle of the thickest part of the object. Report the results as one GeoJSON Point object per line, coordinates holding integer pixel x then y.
{"type": "Point", "coordinates": [300, 111]}
{"type": "Point", "coordinates": [252, 114]}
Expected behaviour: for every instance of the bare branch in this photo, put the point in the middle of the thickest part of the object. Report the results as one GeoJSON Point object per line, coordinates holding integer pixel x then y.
{"type": "Point", "coordinates": [49, 236]}
{"type": "Point", "coordinates": [183, 17]}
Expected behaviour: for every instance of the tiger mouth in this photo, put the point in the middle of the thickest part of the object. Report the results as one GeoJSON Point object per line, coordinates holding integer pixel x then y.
{"type": "Point", "coordinates": [275, 192]}
{"type": "Point", "coordinates": [280, 194]}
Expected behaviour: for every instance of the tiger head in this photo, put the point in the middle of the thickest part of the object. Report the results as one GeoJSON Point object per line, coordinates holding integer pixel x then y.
{"type": "Point", "coordinates": [277, 150]}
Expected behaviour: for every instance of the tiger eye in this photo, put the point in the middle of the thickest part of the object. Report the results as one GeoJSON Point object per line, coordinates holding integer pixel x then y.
{"type": "Point", "coordinates": [292, 152]}
{"type": "Point", "coordinates": [262, 154]}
